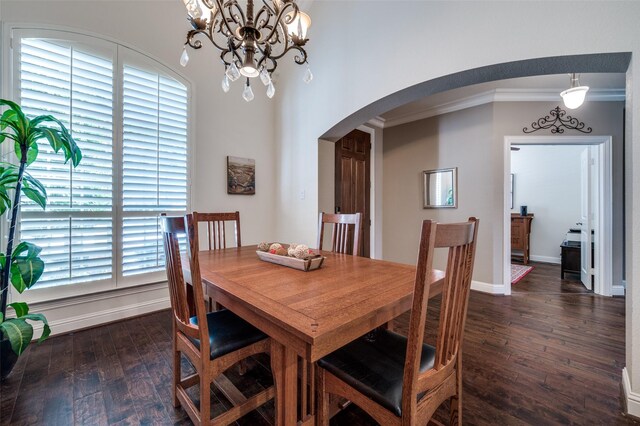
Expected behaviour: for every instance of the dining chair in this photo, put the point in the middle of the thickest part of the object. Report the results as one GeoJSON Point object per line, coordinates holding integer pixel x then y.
{"type": "Point", "coordinates": [216, 230]}
{"type": "Point", "coordinates": [211, 341]}
{"type": "Point", "coordinates": [345, 228]}
{"type": "Point", "coordinates": [217, 236]}
{"type": "Point", "coordinates": [400, 380]}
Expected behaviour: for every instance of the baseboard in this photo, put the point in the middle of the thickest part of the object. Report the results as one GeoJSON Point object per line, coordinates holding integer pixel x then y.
{"type": "Point", "coordinates": [487, 287]}
{"type": "Point", "coordinates": [546, 259]}
{"type": "Point", "coordinates": [618, 290]}
{"type": "Point", "coordinates": [74, 314]}
{"type": "Point", "coordinates": [632, 398]}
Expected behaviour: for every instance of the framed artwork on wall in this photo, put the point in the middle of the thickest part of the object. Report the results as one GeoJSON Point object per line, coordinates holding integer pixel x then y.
{"type": "Point", "coordinates": [241, 176]}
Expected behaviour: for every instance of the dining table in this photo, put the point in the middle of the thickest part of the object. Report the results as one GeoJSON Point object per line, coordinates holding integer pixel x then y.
{"type": "Point", "coordinates": [308, 314]}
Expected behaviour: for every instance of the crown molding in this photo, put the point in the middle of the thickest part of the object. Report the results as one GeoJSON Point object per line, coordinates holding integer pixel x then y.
{"type": "Point", "coordinates": [496, 95]}
{"type": "Point", "coordinates": [377, 122]}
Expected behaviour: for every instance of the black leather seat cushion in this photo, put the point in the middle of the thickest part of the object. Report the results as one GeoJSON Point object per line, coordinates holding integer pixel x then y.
{"type": "Point", "coordinates": [375, 367]}
{"type": "Point", "coordinates": [227, 333]}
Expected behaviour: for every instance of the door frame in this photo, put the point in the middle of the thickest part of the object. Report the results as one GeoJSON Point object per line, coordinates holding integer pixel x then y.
{"type": "Point", "coordinates": [603, 279]}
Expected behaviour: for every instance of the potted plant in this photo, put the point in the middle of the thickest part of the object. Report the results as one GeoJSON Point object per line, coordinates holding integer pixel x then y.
{"type": "Point", "coordinates": [20, 264]}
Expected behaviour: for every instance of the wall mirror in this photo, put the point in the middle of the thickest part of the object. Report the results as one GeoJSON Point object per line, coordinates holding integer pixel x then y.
{"type": "Point", "coordinates": [440, 188]}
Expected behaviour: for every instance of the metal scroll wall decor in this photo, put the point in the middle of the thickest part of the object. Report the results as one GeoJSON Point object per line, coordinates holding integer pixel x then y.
{"type": "Point", "coordinates": [557, 121]}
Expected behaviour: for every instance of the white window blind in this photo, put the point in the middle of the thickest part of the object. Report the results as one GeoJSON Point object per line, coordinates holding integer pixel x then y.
{"type": "Point", "coordinates": [154, 164]}
{"type": "Point", "coordinates": [102, 218]}
{"type": "Point", "coordinates": [76, 230]}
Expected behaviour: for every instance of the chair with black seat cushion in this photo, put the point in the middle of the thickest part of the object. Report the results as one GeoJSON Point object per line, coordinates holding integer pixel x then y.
{"type": "Point", "coordinates": [212, 341]}
{"type": "Point", "coordinates": [346, 228]}
{"type": "Point", "coordinates": [401, 380]}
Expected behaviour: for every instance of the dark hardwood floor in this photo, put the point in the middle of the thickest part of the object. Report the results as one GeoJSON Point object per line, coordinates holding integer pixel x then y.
{"type": "Point", "coordinates": [552, 353]}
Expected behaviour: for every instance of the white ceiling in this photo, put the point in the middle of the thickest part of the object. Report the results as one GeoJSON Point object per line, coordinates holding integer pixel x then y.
{"type": "Point", "coordinates": [538, 88]}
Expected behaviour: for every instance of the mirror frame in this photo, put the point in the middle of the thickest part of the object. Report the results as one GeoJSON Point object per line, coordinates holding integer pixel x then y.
{"type": "Point", "coordinates": [425, 183]}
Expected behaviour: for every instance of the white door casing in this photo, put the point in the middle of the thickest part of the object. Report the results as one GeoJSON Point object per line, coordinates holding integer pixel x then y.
{"type": "Point", "coordinates": [585, 218]}
{"type": "Point", "coordinates": [603, 278]}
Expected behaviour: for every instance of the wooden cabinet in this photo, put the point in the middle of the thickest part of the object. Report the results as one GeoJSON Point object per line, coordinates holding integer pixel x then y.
{"type": "Point", "coordinates": [520, 236]}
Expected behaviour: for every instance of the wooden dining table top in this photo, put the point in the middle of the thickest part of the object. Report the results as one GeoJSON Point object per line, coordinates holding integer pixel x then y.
{"type": "Point", "coordinates": [313, 312]}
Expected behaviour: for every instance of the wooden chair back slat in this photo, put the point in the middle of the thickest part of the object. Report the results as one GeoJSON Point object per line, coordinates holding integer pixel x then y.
{"type": "Point", "coordinates": [215, 226]}
{"type": "Point", "coordinates": [187, 299]}
{"type": "Point", "coordinates": [460, 239]}
{"type": "Point", "coordinates": [345, 228]}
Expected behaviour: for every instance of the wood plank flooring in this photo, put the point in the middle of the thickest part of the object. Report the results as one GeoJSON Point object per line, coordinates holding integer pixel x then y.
{"type": "Point", "coordinates": [550, 354]}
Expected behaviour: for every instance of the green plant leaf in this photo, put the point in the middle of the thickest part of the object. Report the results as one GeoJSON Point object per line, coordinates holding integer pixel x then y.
{"type": "Point", "coordinates": [19, 332]}
{"type": "Point", "coordinates": [32, 151]}
{"type": "Point", "coordinates": [25, 272]}
{"type": "Point", "coordinates": [5, 200]}
{"type": "Point", "coordinates": [8, 174]}
{"type": "Point", "coordinates": [9, 116]}
{"type": "Point", "coordinates": [25, 246]}
{"type": "Point", "coordinates": [46, 331]}
{"type": "Point", "coordinates": [40, 199]}
{"type": "Point", "coordinates": [57, 138]}
{"type": "Point", "coordinates": [20, 119]}
{"type": "Point", "coordinates": [21, 308]}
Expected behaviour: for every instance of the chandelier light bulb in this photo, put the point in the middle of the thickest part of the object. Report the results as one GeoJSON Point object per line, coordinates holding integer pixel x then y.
{"type": "Point", "coordinates": [232, 72]}
{"type": "Point", "coordinates": [298, 25]}
{"type": "Point", "coordinates": [248, 70]}
{"type": "Point", "coordinates": [574, 96]}
{"type": "Point", "coordinates": [184, 58]}
{"type": "Point", "coordinates": [225, 84]}
{"type": "Point", "coordinates": [247, 94]}
{"type": "Point", "coordinates": [271, 90]}
{"type": "Point", "coordinates": [265, 77]}
{"type": "Point", "coordinates": [308, 76]}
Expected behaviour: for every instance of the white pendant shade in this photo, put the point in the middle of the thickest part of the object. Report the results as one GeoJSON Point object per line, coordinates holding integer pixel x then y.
{"type": "Point", "coordinates": [574, 97]}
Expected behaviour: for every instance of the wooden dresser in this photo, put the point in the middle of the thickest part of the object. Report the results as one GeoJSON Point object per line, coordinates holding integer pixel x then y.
{"type": "Point", "coordinates": [520, 236]}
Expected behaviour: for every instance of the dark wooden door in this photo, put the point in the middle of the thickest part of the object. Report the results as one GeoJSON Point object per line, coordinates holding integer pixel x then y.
{"type": "Point", "coordinates": [353, 183]}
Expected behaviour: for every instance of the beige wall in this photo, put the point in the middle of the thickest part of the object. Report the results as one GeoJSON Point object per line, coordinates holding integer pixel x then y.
{"type": "Point", "coordinates": [460, 140]}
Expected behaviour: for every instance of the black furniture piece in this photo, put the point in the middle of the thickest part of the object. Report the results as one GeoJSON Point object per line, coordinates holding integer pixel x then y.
{"type": "Point", "coordinates": [570, 257]}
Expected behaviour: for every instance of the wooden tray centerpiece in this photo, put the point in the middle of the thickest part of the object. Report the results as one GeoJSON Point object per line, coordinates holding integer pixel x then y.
{"type": "Point", "coordinates": [296, 256]}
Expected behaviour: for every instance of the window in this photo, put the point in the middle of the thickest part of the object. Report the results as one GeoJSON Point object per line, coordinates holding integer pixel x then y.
{"type": "Point", "coordinates": [128, 115]}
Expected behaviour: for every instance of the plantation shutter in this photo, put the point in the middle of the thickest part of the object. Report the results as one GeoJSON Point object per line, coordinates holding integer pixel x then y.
{"type": "Point", "coordinates": [154, 164]}
{"type": "Point", "coordinates": [128, 115]}
{"type": "Point", "coordinates": [75, 232]}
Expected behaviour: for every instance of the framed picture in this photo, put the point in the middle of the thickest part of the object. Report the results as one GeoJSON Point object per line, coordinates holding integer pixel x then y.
{"type": "Point", "coordinates": [241, 176]}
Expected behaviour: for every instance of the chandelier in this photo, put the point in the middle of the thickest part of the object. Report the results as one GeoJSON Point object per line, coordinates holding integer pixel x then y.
{"type": "Point", "coordinates": [250, 43]}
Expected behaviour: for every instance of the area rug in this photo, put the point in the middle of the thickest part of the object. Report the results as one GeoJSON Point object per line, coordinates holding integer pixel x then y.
{"type": "Point", "coordinates": [518, 272]}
